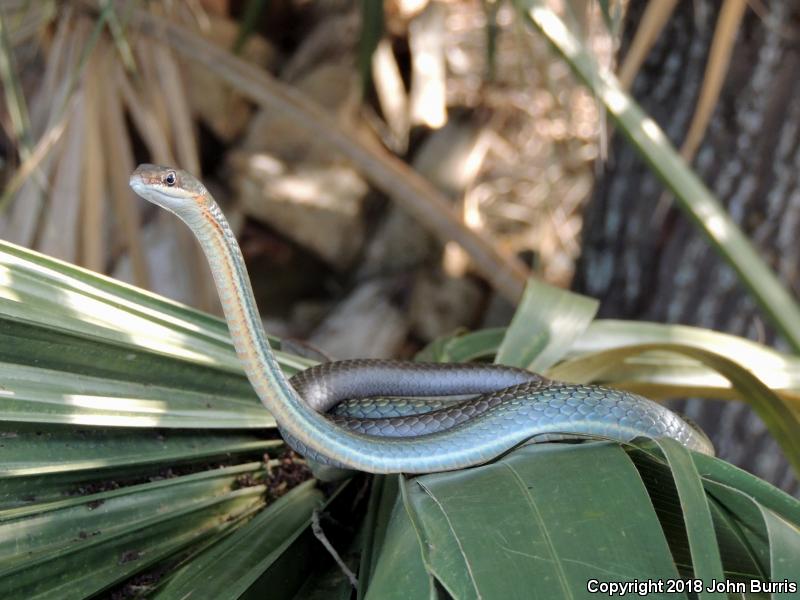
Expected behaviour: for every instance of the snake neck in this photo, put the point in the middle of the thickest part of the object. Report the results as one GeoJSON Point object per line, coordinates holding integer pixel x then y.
{"type": "Point", "coordinates": [304, 425]}
{"type": "Point", "coordinates": [241, 312]}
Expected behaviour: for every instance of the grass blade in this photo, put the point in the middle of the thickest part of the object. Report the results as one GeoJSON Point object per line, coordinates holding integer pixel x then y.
{"type": "Point", "coordinates": [127, 531]}
{"type": "Point", "coordinates": [706, 560]}
{"type": "Point", "coordinates": [546, 323]}
{"type": "Point", "coordinates": [371, 33]}
{"type": "Point", "coordinates": [229, 568]}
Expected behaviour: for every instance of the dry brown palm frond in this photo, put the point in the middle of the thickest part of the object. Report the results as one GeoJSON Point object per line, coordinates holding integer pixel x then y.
{"type": "Point", "coordinates": [719, 59]}
{"type": "Point", "coordinates": [69, 197]}
{"type": "Point", "coordinates": [655, 18]}
{"type": "Point", "coordinates": [388, 173]}
{"type": "Point", "coordinates": [153, 97]}
{"type": "Point", "coordinates": [92, 223]}
{"type": "Point", "coordinates": [120, 154]}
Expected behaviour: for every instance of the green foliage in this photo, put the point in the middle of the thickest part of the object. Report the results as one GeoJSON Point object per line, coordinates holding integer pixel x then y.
{"type": "Point", "coordinates": [73, 548]}
{"type": "Point", "coordinates": [230, 568]}
{"type": "Point", "coordinates": [129, 435]}
{"type": "Point", "coordinates": [173, 482]}
{"type": "Point", "coordinates": [543, 534]}
{"type": "Point", "coordinates": [547, 322]}
{"type": "Point", "coordinates": [545, 520]}
{"type": "Point", "coordinates": [79, 348]}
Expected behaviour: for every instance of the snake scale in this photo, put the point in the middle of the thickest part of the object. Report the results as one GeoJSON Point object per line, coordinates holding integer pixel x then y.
{"type": "Point", "coordinates": [403, 435]}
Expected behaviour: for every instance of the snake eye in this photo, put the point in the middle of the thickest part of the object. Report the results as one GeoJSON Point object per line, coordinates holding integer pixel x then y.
{"type": "Point", "coordinates": [170, 178]}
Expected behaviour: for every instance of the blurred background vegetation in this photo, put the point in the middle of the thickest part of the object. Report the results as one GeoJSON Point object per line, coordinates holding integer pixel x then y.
{"type": "Point", "coordinates": [508, 137]}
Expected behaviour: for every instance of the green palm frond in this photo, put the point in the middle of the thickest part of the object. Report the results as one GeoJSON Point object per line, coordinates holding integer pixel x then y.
{"type": "Point", "coordinates": [133, 445]}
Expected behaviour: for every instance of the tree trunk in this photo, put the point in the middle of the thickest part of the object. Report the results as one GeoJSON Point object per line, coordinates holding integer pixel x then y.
{"type": "Point", "coordinates": [645, 260]}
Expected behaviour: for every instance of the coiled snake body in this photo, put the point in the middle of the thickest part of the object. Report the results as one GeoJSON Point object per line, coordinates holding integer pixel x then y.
{"type": "Point", "coordinates": [406, 435]}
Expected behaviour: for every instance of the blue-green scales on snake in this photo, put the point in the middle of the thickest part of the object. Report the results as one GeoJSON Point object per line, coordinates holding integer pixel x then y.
{"type": "Point", "coordinates": [388, 436]}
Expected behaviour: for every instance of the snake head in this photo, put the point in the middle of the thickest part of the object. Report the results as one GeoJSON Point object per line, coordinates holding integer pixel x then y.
{"type": "Point", "coordinates": [173, 189]}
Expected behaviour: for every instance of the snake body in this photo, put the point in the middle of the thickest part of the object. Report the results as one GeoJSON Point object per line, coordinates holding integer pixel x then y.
{"type": "Point", "coordinates": [330, 385]}
{"type": "Point", "coordinates": [511, 407]}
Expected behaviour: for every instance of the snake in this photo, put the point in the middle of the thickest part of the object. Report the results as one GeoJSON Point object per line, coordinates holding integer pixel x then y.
{"type": "Point", "coordinates": [506, 408]}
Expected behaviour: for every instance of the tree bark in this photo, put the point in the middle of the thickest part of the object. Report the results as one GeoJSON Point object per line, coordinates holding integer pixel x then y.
{"type": "Point", "coordinates": [644, 259]}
